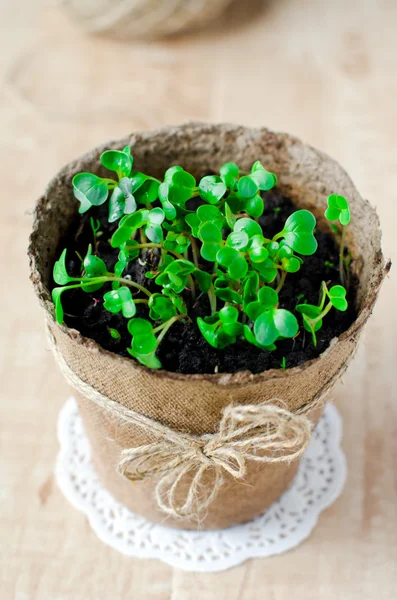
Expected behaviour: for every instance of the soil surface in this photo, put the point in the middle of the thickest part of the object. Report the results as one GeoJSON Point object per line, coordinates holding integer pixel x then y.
{"type": "Point", "coordinates": [183, 349]}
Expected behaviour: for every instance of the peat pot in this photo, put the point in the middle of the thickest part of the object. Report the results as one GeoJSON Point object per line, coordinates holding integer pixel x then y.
{"type": "Point", "coordinates": [171, 416]}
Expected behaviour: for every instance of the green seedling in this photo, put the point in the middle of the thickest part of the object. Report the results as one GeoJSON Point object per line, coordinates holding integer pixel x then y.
{"type": "Point", "coordinates": [120, 300]}
{"type": "Point", "coordinates": [222, 328]}
{"type": "Point", "coordinates": [329, 264]}
{"type": "Point", "coordinates": [218, 248]}
{"type": "Point", "coordinates": [313, 315]}
{"type": "Point", "coordinates": [144, 341]}
{"type": "Point", "coordinates": [270, 322]}
{"type": "Point", "coordinates": [338, 210]}
{"type": "Point", "coordinates": [298, 232]}
{"type": "Point", "coordinates": [114, 334]}
{"type": "Point", "coordinates": [96, 230]}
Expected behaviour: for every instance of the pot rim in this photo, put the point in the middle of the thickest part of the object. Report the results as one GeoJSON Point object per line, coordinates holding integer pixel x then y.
{"type": "Point", "coordinates": [240, 378]}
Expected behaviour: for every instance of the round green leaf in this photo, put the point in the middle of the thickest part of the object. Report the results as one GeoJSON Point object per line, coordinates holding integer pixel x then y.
{"type": "Point", "coordinates": [264, 179]}
{"type": "Point", "coordinates": [256, 241]}
{"type": "Point", "coordinates": [90, 190]}
{"type": "Point", "coordinates": [228, 314]}
{"type": "Point", "coordinates": [286, 323]}
{"type": "Point", "coordinates": [308, 309]}
{"type": "Point", "coordinates": [247, 187]}
{"type": "Point", "coordinates": [267, 270]}
{"type": "Point", "coordinates": [120, 300]}
{"type": "Point", "coordinates": [144, 344]}
{"type": "Point", "coordinates": [154, 230]}
{"type": "Point", "coordinates": [344, 217]}
{"type": "Point", "coordinates": [148, 192]}
{"type": "Point", "coordinates": [332, 214]}
{"type": "Point", "coordinates": [154, 233]}
{"type": "Point", "coordinates": [156, 216]}
{"type": "Point", "coordinates": [337, 296]}
{"type": "Point", "coordinates": [298, 232]}
{"type": "Point", "coordinates": [238, 240]}
{"type": "Point", "coordinates": [231, 259]}
{"type": "Point", "coordinates": [250, 226]}
{"type": "Point", "coordinates": [254, 206]}
{"type": "Point", "coordinates": [93, 267]}
{"type": "Point", "coordinates": [254, 309]}
{"type": "Point", "coordinates": [136, 220]}
{"type": "Point", "coordinates": [268, 296]}
{"type": "Point", "coordinates": [338, 208]}
{"type": "Point", "coordinates": [291, 265]}
{"type": "Point", "coordinates": [161, 308]}
{"type": "Point", "coordinates": [338, 201]}
{"type": "Point", "coordinates": [182, 178]}
{"type": "Point", "coordinates": [194, 223]}
{"type": "Point", "coordinates": [212, 189]}
{"type": "Point", "coordinates": [235, 203]}
{"type": "Point", "coordinates": [229, 173]}
{"type": "Point", "coordinates": [228, 295]}
{"type": "Point", "coordinates": [209, 232]}
{"type": "Point", "coordinates": [169, 209]}
{"type": "Point", "coordinates": [249, 336]}
{"type": "Point", "coordinates": [211, 237]}
{"type": "Point", "coordinates": [120, 236]}
{"type": "Point", "coordinates": [120, 162]}
{"type": "Point", "coordinates": [114, 334]}
{"type": "Point", "coordinates": [258, 255]}
{"type": "Point", "coordinates": [180, 186]}
{"type": "Point", "coordinates": [209, 213]}
{"type": "Point", "coordinates": [181, 266]}
{"type": "Point", "coordinates": [265, 329]}
{"type": "Point", "coordinates": [139, 327]}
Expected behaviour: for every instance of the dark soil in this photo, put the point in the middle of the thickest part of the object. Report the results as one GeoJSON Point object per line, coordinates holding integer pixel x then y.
{"type": "Point", "coordinates": [183, 349]}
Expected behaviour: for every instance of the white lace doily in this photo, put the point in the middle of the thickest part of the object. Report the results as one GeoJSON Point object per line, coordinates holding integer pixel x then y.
{"type": "Point", "coordinates": [284, 525]}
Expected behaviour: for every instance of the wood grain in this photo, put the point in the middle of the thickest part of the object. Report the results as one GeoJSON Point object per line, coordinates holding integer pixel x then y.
{"type": "Point", "coordinates": [325, 71]}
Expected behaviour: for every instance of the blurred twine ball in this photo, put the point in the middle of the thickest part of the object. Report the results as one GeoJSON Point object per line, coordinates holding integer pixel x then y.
{"type": "Point", "coordinates": [131, 19]}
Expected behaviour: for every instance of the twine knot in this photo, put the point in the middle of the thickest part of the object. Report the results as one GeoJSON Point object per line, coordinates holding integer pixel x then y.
{"type": "Point", "coordinates": [263, 433]}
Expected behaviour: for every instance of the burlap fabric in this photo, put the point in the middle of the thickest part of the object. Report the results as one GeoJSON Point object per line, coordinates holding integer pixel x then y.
{"type": "Point", "coordinates": [132, 19]}
{"type": "Point", "coordinates": [194, 404]}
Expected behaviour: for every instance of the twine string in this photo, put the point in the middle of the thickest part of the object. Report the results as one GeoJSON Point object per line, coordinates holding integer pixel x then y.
{"type": "Point", "coordinates": [182, 463]}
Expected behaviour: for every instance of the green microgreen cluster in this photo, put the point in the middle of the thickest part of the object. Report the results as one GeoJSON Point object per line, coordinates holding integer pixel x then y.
{"type": "Point", "coordinates": [218, 249]}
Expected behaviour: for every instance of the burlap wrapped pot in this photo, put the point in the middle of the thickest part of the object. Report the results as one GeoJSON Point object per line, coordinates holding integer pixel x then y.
{"type": "Point", "coordinates": [110, 387]}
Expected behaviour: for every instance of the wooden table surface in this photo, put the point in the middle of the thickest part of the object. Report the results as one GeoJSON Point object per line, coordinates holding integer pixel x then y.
{"type": "Point", "coordinates": [326, 71]}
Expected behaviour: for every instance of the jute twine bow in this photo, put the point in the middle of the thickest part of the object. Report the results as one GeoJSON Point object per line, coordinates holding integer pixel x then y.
{"type": "Point", "coordinates": [264, 433]}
